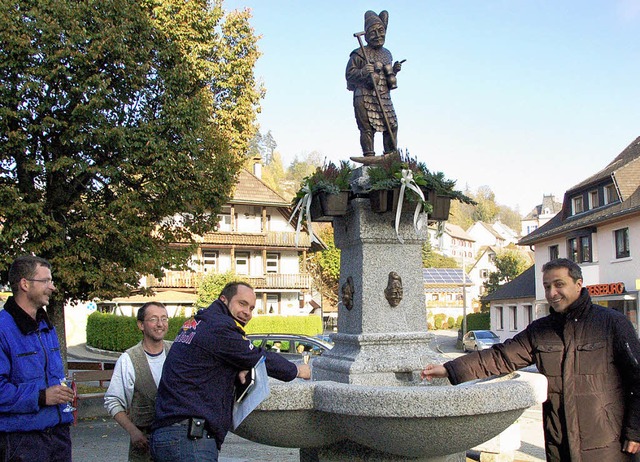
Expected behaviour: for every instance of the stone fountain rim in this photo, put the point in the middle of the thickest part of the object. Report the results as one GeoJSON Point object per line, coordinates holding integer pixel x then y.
{"type": "Point", "coordinates": [513, 392]}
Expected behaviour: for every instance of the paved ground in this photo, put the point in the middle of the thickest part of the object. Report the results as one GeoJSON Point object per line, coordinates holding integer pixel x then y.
{"type": "Point", "coordinates": [100, 439]}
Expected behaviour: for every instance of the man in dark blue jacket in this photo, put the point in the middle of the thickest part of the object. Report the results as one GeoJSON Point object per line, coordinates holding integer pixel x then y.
{"type": "Point", "coordinates": [197, 385]}
{"type": "Point", "coordinates": [33, 425]}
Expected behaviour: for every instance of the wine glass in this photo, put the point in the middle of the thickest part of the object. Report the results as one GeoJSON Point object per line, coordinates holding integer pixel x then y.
{"type": "Point", "coordinates": [424, 360]}
{"type": "Point", "coordinates": [66, 382]}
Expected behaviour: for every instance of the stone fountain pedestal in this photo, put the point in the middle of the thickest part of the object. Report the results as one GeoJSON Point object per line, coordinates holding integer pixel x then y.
{"type": "Point", "coordinates": [366, 400]}
{"type": "Point", "coordinates": [376, 343]}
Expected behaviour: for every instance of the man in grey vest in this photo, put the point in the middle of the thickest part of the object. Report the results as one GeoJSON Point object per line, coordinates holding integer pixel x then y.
{"type": "Point", "coordinates": [131, 396]}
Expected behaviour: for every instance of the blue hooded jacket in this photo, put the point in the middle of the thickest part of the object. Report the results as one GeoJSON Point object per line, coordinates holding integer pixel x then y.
{"type": "Point", "coordinates": [30, 362]}
{"type": "Point", "coordinates": [201, 368]}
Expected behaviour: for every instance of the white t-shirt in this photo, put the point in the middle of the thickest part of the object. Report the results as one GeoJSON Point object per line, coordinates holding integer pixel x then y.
{"type": "Point", "coordinates": [120, 392]}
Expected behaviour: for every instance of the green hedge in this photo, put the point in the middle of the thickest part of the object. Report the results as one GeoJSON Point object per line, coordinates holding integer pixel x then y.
{"type": "Point", "coordinates": [302, 325]}
{"type": "Point", "coordinates": [438, 320]}
{"type": "Point", "coordinates": [478, 321]}
{"type": "Point", "coordinates": [117, 333]}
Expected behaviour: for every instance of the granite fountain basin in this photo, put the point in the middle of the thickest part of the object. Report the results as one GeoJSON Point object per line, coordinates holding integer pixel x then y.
{"type": "Point", "coordinates": [408, 421]}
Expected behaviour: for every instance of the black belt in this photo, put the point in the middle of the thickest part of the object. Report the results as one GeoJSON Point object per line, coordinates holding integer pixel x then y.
{"type": "Point", "coordinates": [196, 428]}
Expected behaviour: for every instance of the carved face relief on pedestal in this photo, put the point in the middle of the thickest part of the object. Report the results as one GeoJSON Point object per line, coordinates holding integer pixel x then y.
{"type": "Point", "coordinates": [347, 293]}
{"type": "Point", "coordinates": [393, 292]}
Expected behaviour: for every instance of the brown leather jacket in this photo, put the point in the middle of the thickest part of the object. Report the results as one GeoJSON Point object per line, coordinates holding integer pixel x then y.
{"type": "Point", "coordinates": [590, 357]}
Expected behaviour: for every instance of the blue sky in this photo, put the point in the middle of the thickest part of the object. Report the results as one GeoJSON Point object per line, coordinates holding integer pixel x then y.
{"type": "Point", "coordinates": [529, 97]}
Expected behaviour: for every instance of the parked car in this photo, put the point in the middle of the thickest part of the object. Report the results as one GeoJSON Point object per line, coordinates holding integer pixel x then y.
{"type": "Point", "coordinates": [291, 346]}
{"type": "Point", "coordinates": [475, 340]}
{"type": "Point", "coordinates": [325, 337]}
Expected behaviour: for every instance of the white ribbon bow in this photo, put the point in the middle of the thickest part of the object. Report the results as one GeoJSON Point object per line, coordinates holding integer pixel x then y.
{"type": "Point", "coordinates": [304, 208]}
{"type": "Point", "coordinates": [407, 181]}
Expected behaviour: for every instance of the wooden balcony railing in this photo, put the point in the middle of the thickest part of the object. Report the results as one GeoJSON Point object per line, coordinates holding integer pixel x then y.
{"type": "Point", "coordinates": [281, 281]}
{"type": "Point", "coordinates": [271, 238]}
{"type": "Point", "coordinates": [188, 280]}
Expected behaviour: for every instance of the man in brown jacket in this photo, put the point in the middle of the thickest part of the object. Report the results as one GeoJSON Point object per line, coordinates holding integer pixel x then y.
{"type": "Point", "coordinates": [590, 355]}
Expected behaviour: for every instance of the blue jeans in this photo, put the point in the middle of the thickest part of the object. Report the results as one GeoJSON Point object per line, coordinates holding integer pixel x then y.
{"type": "Point", "coordinates": [171, 444]}
{"type": "Point", "coordinates": [52, 445]}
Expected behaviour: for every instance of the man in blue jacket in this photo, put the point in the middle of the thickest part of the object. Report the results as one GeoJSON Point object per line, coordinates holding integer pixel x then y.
{"type": "Point", "coordinates": [33, 425]}
{"type": "Point", "coordinates": [195, 397]}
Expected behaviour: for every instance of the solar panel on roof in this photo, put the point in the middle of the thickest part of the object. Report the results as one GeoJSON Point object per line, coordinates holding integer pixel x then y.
{"type": "Point", "coordinates": [444, 276]}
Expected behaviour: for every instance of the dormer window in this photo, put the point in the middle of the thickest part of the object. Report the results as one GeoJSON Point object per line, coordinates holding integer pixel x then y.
{"type": "Point", "coordinates": [610, 194]}
{"type": "Point", "coordinates": [594, 199]}
{"type": "Point", "coordinates": [577, 205]}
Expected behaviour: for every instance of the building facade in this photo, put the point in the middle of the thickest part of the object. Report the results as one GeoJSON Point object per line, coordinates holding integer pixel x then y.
{"type": "Point", "coordinates": [598, 228]}
{"type": "Point", "coordinates": [513, 305]}
{"type": "Point", "coordinates": [447, 291]}
{"type": "Point", "coordinates": [452, 241]}
{"type": "Point", "coordinates": [541, 214]}
{"type": "Point", "coordinates": [256, 241]}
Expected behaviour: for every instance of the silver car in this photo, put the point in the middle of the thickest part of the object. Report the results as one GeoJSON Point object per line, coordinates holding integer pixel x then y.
{"type": "Point", "coordinates": [475, 340]}
{"type": "Point", "coordinates": [291, 346]}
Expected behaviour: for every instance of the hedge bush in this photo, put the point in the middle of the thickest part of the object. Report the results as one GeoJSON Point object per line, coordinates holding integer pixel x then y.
{"type": "Point", "coordinates": [117, 333]}
{"type": "Point", "coordinates": [302, 325]}
{"type": "Point", "coordinates": [451, 322]}
{"type": "Point", "coordinates": [439, 320]}
{"type": "Point", "coordinates": [478, 321]}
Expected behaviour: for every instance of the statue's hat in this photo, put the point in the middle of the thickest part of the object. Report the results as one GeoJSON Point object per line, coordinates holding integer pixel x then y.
{"type": "Point", "coordinates": [371, 18]}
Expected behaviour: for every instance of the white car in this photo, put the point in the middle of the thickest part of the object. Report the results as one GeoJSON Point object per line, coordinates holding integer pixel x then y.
{"type": "Point", "coordinates": [475, 340]}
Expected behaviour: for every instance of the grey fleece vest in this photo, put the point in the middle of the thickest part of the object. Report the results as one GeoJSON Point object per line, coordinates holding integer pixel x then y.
{"type": "Point", "coordinates": [143, 403]}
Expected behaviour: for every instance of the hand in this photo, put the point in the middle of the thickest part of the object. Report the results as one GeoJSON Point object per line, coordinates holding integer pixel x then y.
{"type": "Point", "coordinates": [432, 371]}
{"type": "Point", "coordinates": [304, 371]}
{"type": "Point", "coordinates": [58, 394]}
{"type": "Point", "coordinates": [242, 376]}
{"type": "Point", "coordinates": [369, 68]}
{"type": "Point", "coordinates": [397, 66]}
{"type": "Point", "coordinates": [632, 447]}
{"type": "Point", "coordinates": [139, 440]}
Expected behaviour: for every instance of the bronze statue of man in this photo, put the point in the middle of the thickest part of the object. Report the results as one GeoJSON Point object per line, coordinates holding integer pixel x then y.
{"type": "Point", "coordinates": [371, 77]}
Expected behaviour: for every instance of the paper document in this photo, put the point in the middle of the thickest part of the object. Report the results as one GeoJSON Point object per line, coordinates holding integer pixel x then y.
{"type": "Point", "coordinates": [254, 395]}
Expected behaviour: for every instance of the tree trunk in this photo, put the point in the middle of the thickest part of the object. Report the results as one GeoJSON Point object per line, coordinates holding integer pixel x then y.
{"type": "Point", "coordinates": [55, 310]}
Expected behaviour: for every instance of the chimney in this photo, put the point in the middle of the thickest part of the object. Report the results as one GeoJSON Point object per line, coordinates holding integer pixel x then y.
{"type": "Point", "coordinates": [257, 166]}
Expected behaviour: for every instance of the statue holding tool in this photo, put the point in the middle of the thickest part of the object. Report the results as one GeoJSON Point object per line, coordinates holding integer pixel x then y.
{"type": "Point", "coordinates": [371, 76]}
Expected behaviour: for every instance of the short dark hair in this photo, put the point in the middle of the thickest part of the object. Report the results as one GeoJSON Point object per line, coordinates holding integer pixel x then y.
{"type": "Point", "coordinates": [143, 309]}
{"type": "Point", "coordinates": [231, 289]}
{"type": "Point", "coordinates": [25, 267]}
{"type": "Point", "coordinates": [574, 269]}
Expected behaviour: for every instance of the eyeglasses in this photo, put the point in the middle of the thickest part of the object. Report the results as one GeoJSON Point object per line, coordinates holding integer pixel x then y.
{"type": "Point", "coordinates": [156, 320]}
{"type": "Point", "coordinates": [44, 281]}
